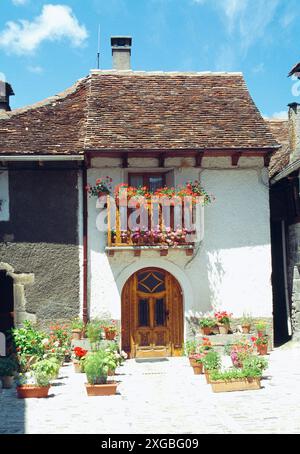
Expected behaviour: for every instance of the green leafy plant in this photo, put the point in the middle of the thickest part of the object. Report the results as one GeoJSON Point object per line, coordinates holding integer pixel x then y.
{"type": "Point", "coordinates": [97, 365]}
{"type": "Point", "coordinates": [256, 363]}
{"type": "Point", "coordinates": [207, 322]}
{"type": "Point", "coordinates": [260, 340]}
{"type": "Point", "coordinates": [234, 374]}
{"type": "Point", "coordinates": [212, 361]}
{"type": "Point", "coordinates": [77, 324]}
{"type": "Point", "coordinates": [261, 325]}
{"type": "Point", "coordinates": [28, 340]}
{"type": "Point", "coordinates": [8, 367]}
{"type": "Point", "coordinates": [94, 331]}
{"type": "Point", "coordinates": [247, 319]}
{"type": "Point", "coordinates": [190, 347]}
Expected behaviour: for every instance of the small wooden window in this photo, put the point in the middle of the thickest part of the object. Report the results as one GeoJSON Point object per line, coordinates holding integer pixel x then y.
{"type": "Point", "coordinates": [153, 181]}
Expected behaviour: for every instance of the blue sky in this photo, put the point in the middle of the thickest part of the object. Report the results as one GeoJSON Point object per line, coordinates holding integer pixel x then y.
{"type": "Point", "coordinates": [45, 46]}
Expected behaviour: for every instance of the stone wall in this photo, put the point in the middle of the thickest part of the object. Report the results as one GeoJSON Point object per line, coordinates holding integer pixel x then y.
{"type": "Point", "coordinates": [41, 238]}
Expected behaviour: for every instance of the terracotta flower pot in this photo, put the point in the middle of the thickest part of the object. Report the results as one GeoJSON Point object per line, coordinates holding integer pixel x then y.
{"type": "Point", "coordinates": [32, 391]}
{"type": "Point", "coordinates": [110, 335]}
{"type": "Point", "coordinates": [198, 369]}
{"type": "Point", "coordinates": [223, 329]}
{"type": "Point", "coordinates": [205, 331]}
{"type": "Point", "coordinates": [246, 329]}
{"type": "Point", "coordinates": [7, 382]}
{"type": "Point", "coordinates": [262, 349]}
{"type": "Point", "coordinates": [76, 334]}
{"type": "Point", "coordinates": [192, 361]}
{"type": "Point", "coordinates": [108, 389]}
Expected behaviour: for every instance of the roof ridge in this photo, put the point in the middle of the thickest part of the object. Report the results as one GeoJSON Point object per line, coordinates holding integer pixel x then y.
{"type": "Point", "coordinates": [163, 73]}
{"type": "Point", "coordinates": [47, 101]}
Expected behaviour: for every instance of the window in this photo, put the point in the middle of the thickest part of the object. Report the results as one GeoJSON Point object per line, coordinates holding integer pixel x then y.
{"type": "Point", "coordinates": [153, 181]}
{"type": "Point", "coordinates": [4, 196]}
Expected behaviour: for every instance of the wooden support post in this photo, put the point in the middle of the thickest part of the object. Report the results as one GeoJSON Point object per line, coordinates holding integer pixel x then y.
{"type": "Point", "coordinates": [199, 158]}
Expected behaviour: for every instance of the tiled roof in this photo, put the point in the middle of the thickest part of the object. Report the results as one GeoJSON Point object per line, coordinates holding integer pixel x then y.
{"type": "Point", "coordinates": [112, 110]}
{"type": "Point", "coordinates": [53, 126]}
{"type": "Point", "coordinates": [280, 159]}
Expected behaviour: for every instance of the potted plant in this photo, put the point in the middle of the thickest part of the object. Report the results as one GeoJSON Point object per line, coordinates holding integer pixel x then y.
{"type": "Point", "coordinates": [206, 324]}
{"type": "Point", "coordinates": [246, 322]}
{"type": "Point", "coordinates": [78, 358]}
{"type": "Point", "coordinates": [223, 321]}
{"type": "Point", "coordinates": [97, 366]}
{"type": "Point", "coordinates": [261, 327]}
{"type": "Point", "coordinates": [261, 343]}
{"type": "Point", "coordinates": [110, 330]}
{"type": "Point", "coordinates": [197, 363]}
{"type": "Point", "coordinates": [29, 344]}
{"type": "Point", "coordinates": [239, 351]}
{"type": "Point", "coordinates": [8, 367]}
{"type": "Point", "coordinates": [211, 362]}
{"type": "Point", "coordinates": [36, 383]}
{"type": "Point", "coordinates": [94, 330]}
{"type": "Point", "coordinates": [190, 348]}
{"type": "Point", "coordinates": [101, 188]}
{"type": "Point", "coordinates": [245, 379]}
{"type": "Point", "coordinates": [77, 327]}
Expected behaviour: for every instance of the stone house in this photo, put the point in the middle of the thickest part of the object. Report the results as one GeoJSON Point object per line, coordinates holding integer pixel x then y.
{"type": "Point", "coordinates": [141, 128]}
{"type": "Point", "coordinates": [285, 224]}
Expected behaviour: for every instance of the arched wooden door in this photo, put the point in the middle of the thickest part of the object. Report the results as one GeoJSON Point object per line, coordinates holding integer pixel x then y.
{"type": "Point", "coordinates": [152, 315]}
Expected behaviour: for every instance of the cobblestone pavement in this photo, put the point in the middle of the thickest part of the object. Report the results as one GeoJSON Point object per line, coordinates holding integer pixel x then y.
{"type": "Point", "coordinates": [162, 397]}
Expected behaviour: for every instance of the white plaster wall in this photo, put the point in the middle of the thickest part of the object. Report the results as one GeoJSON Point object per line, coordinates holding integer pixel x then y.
{"type": "Point", "coordinates": [4, 196]}
{"type": "Point", "coordinates": [231, 269]}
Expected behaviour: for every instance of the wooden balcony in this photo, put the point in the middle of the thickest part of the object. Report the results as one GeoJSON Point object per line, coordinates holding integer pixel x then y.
{"type": "Point", "coordinates": [159, 235]}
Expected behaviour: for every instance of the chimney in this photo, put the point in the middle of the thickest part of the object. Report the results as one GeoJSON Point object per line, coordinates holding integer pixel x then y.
{"type": "Point", "coordinates": [121, 52]}
{"type": "Point", "coordinates": [294, 131]}
{"type": "Point", "coordinates": [5, 92]}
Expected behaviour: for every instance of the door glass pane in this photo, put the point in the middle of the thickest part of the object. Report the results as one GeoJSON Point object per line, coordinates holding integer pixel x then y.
{"type": "Point", "coordinates": [160, 312]}
{"type": "Point", "coordinates": [136, 180]}
{"type": "Point", "coordinates": [151, 282]}
{"type": "Point", "coordinates": [143, 312]}
{"type": "Point", "coordinates": [156, 182]}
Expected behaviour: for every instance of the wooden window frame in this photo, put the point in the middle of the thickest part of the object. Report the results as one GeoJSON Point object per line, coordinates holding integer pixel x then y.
{"type": "Point", "coordinates": [146, 176]}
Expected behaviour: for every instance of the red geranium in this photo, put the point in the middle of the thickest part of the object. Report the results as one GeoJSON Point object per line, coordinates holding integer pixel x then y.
{"type": "Point", "coordinates": [79, 352]}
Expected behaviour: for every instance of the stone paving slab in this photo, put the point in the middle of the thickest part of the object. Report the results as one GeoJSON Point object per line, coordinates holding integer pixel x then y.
{"type": "Point", "coordinates": [163, 397]}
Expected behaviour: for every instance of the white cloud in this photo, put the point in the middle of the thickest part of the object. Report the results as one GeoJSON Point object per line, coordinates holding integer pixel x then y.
{"type": "Point", "coordinates": [283, 115]}
{"type": "Point", "coordinates": [246, 19]}
{"type": "Point", "coordinates": [55, 23]}
{"type": "Point", "coordinates": [35, 69]}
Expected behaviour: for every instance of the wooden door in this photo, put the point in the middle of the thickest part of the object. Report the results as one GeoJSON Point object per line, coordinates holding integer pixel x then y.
{"type": "Point", "coordinates": [152, 315]}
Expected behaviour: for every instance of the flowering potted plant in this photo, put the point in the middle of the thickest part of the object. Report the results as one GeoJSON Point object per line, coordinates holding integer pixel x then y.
{"type": "Point", "coordinates": [223, 321]}
{"type": "Point", "coordinates": [211, 362]}
{"type": "Point", "coordinates": [261, 327]}
{"type": "Point", "coordinates": [97, 366]}
{"type": "Point", "coordinates": [240, 351]}
{"type": "Point", "coordinates": [8, 367]}
{"type": "Point", "coordinates": [206, 324]}
{"type": "Point", "coordinates": [261, 343]}
{"type": "Point", "coordinates": [102, 187]}
{"type": "Point", "coordinates": [110, 330]}
{"type": "Point", "coordinates": [197, 363]}
{"type": "Point", "coordinates": [77, 327]}
{"type": "Point", "coordinates": [36, 382]}
{"type": "Point", "coordinates": [29, 344]}
{"type": "Point", "coordinates": [78, 355]}
{"type": "Point", "coordinates": [246, 322]}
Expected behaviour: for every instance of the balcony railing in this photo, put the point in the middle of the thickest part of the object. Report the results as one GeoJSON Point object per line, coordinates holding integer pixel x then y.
{"type": "Point", "coordinates": [163, 227]}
